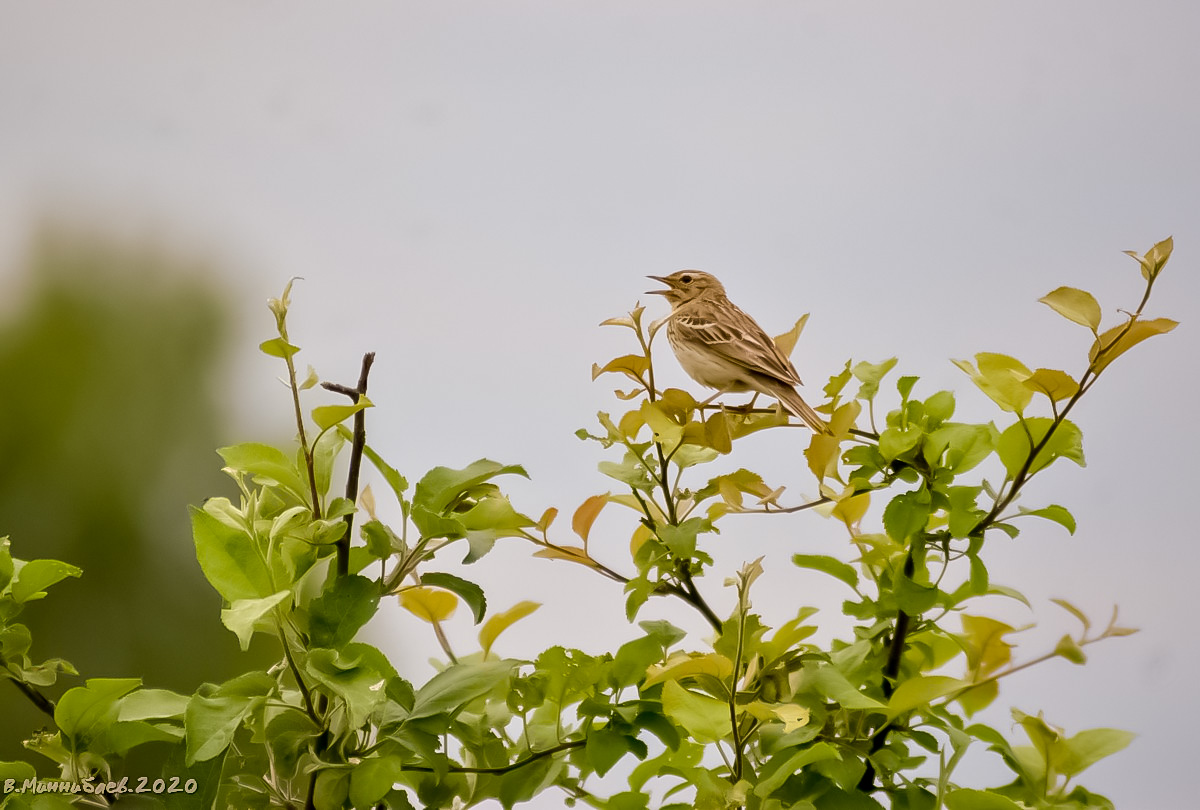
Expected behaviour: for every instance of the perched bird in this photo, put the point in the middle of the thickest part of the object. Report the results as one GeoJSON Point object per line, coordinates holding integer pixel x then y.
{"type": "Point", "coordinates": [721, 347]}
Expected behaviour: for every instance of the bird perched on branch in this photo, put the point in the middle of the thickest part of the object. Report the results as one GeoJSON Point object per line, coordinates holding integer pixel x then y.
{"type": "Point", "coordinates": [721, 347]}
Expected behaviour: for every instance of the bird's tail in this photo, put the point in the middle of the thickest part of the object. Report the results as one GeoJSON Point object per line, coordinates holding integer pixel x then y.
{"type": "Point", "coordinates": [799, 408]}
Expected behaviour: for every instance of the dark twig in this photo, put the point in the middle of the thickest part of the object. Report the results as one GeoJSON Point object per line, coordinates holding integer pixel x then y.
{"type": "Point", "coordinates": [356, 452]}
{"type": "Point", "coordinates": [37, 698]}
{"type": "Point", "coordinates": [503, 769]}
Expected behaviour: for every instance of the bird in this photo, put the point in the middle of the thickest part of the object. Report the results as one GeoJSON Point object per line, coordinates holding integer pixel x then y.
{"type": "Point", "coordinates": [721, 347]}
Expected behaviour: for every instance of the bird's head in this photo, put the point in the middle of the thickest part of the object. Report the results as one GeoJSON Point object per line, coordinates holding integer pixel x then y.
{"type": "Point", "coordinates": [687, 285]}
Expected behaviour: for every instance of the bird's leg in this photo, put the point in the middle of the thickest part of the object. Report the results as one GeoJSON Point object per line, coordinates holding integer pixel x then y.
{"type": "Point", "coordinates": [747, 408]}
{"type": "Point", "coordinates": [736, 408]}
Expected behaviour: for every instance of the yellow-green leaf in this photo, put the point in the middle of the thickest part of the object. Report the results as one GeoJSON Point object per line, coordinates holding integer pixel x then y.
{"type": "Point", "coordinates": [327, 416]}
{"type": "Point", "coordinates": [1057, 385]}
{"type": "Point", "coordinates": [917, 692]}
{"type": "Point", "coordinates": [1075, 305]}
{"type": "Point", "coordinates": [1069, 649]}
{"type": "Point", "coordinates": [717, 433]}
{"type": "Point", "coordinates": [631, 365]}
{"type": "Point", "coordinates": [684, 665]}
{"type": "Point", "coordinates": [500, 622]}
{"type": "Point", "coordinates": [786, 343]}
{"type": "Point", "coordinates": [705, 718]}
{"type": "Point", "coordinates": [1002, 378]}
{"type": "Point", "coordinates": [278, 347]}
{"type": "Point", "coordinates": [1120, 339]}
{"type": "Point", "coordinates": [667, 431]}
{"type": "Point", "coordinates": [429, 604]}
{"type": "Point", "coordinates": [1156, 257]}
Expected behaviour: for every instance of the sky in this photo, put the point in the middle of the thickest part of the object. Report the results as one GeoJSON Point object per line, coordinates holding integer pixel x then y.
{"type": "Point", "coordinates": [468, 189]}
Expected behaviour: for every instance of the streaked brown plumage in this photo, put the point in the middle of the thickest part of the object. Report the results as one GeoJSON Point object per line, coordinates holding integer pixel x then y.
{"type": "Point", "coordinates": [721, 347]}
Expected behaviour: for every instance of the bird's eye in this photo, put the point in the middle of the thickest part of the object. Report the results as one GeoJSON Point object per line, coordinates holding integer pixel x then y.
{"type": "Point", "coordinates": [686, 279]}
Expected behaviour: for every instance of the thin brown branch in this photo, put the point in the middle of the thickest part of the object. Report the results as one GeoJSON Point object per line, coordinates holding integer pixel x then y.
{"type": "Point", "coordinates": [356, 453]}
{"type": "Point", "coordinates": [503, 769]}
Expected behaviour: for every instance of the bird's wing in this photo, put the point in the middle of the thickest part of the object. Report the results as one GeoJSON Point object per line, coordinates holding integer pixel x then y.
{"type": "Point", "coordinates": [740, 341]}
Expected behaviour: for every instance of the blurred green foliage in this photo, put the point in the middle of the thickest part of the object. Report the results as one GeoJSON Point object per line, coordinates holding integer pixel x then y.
{"type": "Point", "coordinates": [108, 359]}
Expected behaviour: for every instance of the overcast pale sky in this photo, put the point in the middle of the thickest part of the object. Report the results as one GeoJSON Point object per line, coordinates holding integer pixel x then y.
{"type": "Point", "coordinates": [470, 188]}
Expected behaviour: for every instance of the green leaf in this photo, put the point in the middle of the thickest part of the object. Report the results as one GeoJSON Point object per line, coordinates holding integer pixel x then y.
{"type": "Point", "coordinates": [229, 559]}
{"type": "Point", "coordinates": [357, 674]}
{"type": "Point", "coordinates": [939, 407]}
{"type": "Point", "coordinates": [979, 800]}
{"type": "Point", "coordinates": [268, 464]}
{"type": "Point", "coordinates": [6, 564]}
{"type": "Point", "coordinates": [32, 578]}
{"type": "Point", "coordinates": [894, 442]}
{"type": "Point", "coordinates": [331, 790]}
{"type": "Point", "coordinates": [471, 593]}
{"type": "Point", "coordinates": [394, 479]}
{"type": "Point", "coordinates": [706, 719]}
{"type": "Point", "coordinates": [1075, 305]}
{"type": "Point", "coordinates": [964, 511]}
{"type": "Point", "coordinates": [831, 683]}
{"type": "Point", "coordinates": [19, 772]}
{"type": "Point", "coordinates": [667, 431]}
{"type": "Point", "coordinates": [214, 713]}
{"type": "Point", "coordinates": [1058, 514]}
{"type": "Point", "coordinates": [919, 692]}
{"type": "Point", "coordinates": [1055, 384]}
{"type": "Point", "coordinates": [1074, 611]}
{"type": "Point", "coordinates": [1002, 378]}
{"type": "Point", "coordinates": [789, 762]}
{"type": "Point", "coordinates": [870, 375]}
{"type": "Point", "coordinates": [1120, 339]}
{"type": "Point", "coordinates": [457, 685]}
{"type": "Point", "coordinates": [123, 736]}
{"type": "Point", "coordinates": [1090, 746]}
{"type": "Point", "coordinates": [326, 416]}
{"type": "Point", "coordinates": [490, 519]}
{"type": "Point", "coordinates": [372, 779]}
{"type": "Point", "coordinates": [278, 347]}
{"type": "Point", "coordinates": [1069, 649]}
{"type": "Point", "coordinates": [913, 597]}
{"type": "Point", "coordinates": [86, 712]}
{"type": "Point", "coordinates": [147, 704]}
{"type": "Point", "coordinates": [244, 614]}
{"type": "Point", "coordinates": [681, 539]}
{"type": "Point", "coordinates": [633, 658]}
{"type": "Point", "coordinates": [630, 471]}
{"type": "Point", "coordinates": [502, 621]}
{"type": "Point", "coordinates": [964, 445]}
{"type": "Point", "coordinates": [828, 565]}
{"type": "Point", "coordinates": [605, 748]}
{"type": "Point", "coordinates": [1014, 447]}
{"type": "Point", "coordinates": [907, 514]}
{"type": "Point", "coordinates": [381, 540]}
{"type": "Point", "coordinates": [336, 616]}
{"type": "Point", "coordinates": [442, 486]}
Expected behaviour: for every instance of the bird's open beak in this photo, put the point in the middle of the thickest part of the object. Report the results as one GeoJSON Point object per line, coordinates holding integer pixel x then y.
{"type": "Point", "coordinates": [664, 280]}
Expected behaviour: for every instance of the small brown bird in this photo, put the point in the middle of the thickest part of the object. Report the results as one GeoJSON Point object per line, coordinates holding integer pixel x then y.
{"type": "Point", "coordinates": [721, 347]}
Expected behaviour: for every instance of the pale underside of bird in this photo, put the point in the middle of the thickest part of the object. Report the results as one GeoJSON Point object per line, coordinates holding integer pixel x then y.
{"type": "Point", "coordinates": [721, 347]}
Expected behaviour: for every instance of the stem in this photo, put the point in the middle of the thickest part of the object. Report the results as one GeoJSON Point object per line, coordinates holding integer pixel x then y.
{"type": "Point", "coordinates": [503, 769]}
{"type": "Point", "coordinates": [891, 671]}
{"type": "Point", "coordinates": [37, 698]}
{"type": "Point", "coordinates": [304, 448]}
{"type": "Point", "coordinates": [304, 691]}
{"type": "Point", "coordinates": [356, 452]}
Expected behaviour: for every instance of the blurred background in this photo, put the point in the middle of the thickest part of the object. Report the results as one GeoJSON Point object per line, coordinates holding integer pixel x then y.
{"type": "Point", "coordinates": [469, 189]}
